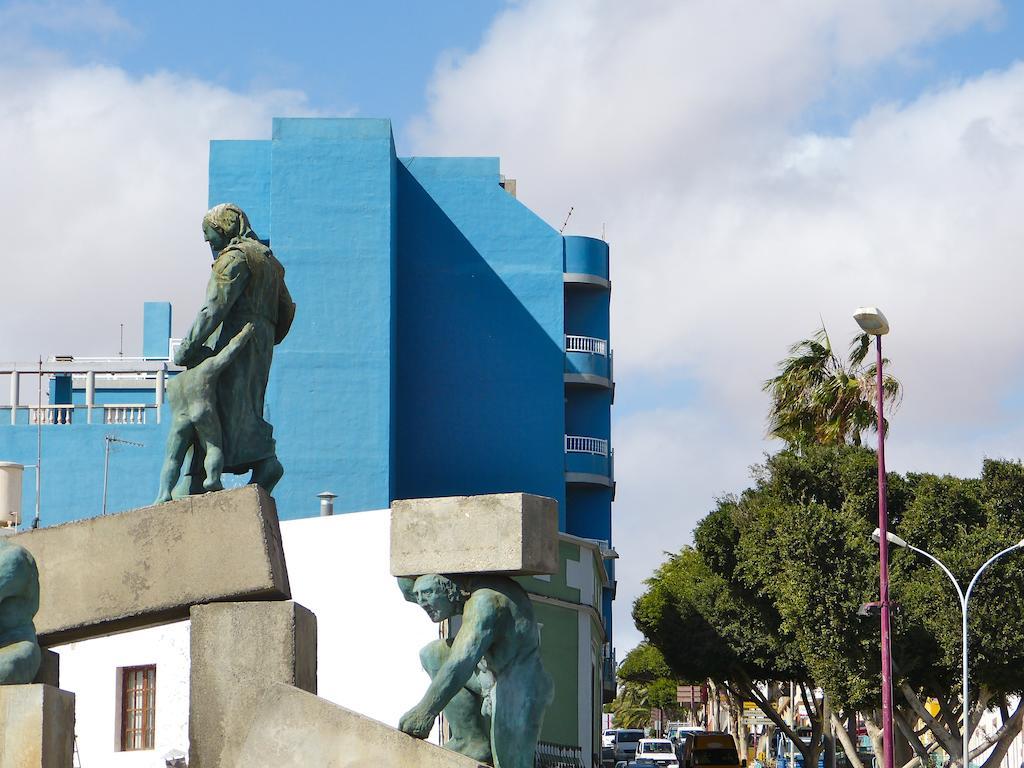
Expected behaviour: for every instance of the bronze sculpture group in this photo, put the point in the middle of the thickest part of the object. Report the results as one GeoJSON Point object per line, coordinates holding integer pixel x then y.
{"type": "Point", "coordinates": [488, 678]}
{"type": "Point", "coordinates": [217, 407]}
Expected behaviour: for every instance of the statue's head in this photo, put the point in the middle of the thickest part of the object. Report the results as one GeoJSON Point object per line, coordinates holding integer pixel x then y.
{"type": "Point", "coordinates": [224, 223]}
{"type": "Point", "coordinates": [439, 596]}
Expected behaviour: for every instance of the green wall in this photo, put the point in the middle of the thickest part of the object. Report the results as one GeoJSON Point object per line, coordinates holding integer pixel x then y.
{"type": "Point", "coordinates": [559, 653]}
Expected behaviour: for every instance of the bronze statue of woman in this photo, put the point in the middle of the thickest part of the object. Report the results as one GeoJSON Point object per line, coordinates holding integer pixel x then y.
{"type": "Point", "coordinates": [247, 286]}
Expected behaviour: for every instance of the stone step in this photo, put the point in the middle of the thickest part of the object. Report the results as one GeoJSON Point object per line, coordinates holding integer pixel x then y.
{"type": "Point", "coordinates": [294, 729]}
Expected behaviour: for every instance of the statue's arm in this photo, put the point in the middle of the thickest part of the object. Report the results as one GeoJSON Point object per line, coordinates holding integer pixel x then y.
{"type": "Point", "coordinates": [479, 620]}
{"type": "Point", "coordinates": [230, 274]}
{"type": "Point", "coordinates": [405, 583]}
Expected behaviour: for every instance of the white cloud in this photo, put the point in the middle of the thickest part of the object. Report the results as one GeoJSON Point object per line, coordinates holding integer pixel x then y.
{"type": "Point", "coordinates": [104, 188]}
{"type": "Point", "coordinates": [733, 232]}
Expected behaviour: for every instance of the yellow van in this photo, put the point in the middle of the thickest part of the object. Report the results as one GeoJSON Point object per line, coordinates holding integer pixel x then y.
{"type": "Point", "coordinates": [713, 749]}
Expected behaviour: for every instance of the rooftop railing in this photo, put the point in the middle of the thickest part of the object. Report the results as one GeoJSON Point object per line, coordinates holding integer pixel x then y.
{"type": "Point", "coordinates": [87, 376]}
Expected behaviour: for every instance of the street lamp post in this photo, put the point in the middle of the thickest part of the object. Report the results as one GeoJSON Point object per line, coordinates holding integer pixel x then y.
{"type": "Point", "coordinates": [964, 597]}
{"type": "Point", "coordinates": [873, 322]}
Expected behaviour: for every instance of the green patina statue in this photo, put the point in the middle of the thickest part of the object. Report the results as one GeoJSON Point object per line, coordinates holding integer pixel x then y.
{"type": "Point", "coordinates": [19, 601]}
{"type": "Point", "coordinates": [246, 289]}
{"type": "Point", "coordinates": [488, 680]}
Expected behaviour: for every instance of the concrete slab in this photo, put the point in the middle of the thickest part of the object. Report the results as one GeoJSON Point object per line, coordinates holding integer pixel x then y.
{"type": "Point", "coordinates": [294, 729]}
{"type": "Point", "coordinates": [37, 726]}
{"type": "Point", "coordinates": [515, 534]}
{"type": "Point", "coordinates": [239, 650]}
{"type": "Point", "coordinates": [150, 565]}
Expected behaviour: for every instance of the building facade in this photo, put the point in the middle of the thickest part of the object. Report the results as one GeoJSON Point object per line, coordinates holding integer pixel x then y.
{"type": "Point", "coordinates": [447, 341]}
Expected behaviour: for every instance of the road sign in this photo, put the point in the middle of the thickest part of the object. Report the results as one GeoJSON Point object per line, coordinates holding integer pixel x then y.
{"type": "Point", "coordinates": [691, 694]}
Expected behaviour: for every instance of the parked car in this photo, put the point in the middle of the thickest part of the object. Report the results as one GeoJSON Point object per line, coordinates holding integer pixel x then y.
{"type": "Point", "coordinates": [626, 742]}
{"type": "Point", "coordinates": [658, 751]}
{"type": "Point", "coordinates": [712, 749]}
{"type": "Point", "coordinates": [608, 737]}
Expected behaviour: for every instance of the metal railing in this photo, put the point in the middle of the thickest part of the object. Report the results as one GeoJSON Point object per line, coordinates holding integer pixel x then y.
{"type": "Point", "coordinates": [589, 344]}
{"type": "Point", "coordinates": [550, 755]}
{"type": "Point", "coordinates": [580, 444]}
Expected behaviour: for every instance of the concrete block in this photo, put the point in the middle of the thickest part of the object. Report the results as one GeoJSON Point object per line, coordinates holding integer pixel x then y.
{"type": "Point", "coordinates": [238, 651]}
{"type": "Point", "coordinates": [294, 729]}
{"type": "Point", "coordinates": [149, 566]}
{"type": "Point", "coordinates": [515, 534]}
{"type": "Point", "coordinates": [49, 669]}
{"type": "Point", "coordinates": [37, 726]}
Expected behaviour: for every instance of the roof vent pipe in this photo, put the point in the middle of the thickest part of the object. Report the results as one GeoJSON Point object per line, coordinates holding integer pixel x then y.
{"type": "Point", "coordinates": [327, 503]}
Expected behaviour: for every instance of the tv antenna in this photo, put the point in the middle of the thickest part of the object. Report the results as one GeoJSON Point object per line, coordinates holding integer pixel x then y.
{"type": "Point", "coordinates": [108, 440]}
{"type": "Point", "coordinates": [567, 216]}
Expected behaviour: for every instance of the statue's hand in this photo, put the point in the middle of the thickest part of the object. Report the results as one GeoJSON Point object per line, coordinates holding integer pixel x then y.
{"type": "Point", "coordinates": [417, 723]}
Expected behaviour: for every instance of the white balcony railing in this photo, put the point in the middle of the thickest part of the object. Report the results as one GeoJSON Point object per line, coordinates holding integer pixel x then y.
{"type": "Point", "coordinates": [50, 414]}
{"type": "Point", "coordinates": [579, 444]}
{"type": "Point", "coordinates": [586, 344]}
{"type": "Point", "coordinates": [123, 413]}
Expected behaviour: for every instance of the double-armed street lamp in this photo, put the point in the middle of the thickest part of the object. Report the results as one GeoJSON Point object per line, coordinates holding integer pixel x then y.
{"type": "Point", "coordinates": [892, 538]}
{"type": "Point", "coordinates": [873, 322]}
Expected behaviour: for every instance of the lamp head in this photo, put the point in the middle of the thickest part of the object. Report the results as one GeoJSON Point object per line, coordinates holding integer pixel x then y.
{"type": "Point", "coordinates": [871, 320]}
{"type": "Point", "coordinates": [876, 536]}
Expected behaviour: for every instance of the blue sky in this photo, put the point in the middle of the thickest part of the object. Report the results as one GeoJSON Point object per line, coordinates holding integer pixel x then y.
{"type": "Point", "coordinates": [376, 59]}
{"type": "Point", "coordinates": [990, 44]}
{"type": "Point", "coordinates": [759, 168]}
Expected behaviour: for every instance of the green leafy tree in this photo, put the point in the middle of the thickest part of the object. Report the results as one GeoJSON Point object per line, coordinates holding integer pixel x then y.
{"type": "Point", "coordinates": [770, 591]}
{"type": "Point", "coordinates": [819, 398]}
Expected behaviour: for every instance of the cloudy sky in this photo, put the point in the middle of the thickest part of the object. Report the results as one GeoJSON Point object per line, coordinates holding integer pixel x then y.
{"type": "Point", "coordinates": [758, 167]}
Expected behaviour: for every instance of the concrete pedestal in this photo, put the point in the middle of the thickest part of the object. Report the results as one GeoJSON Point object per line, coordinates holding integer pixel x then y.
{"type": "Point", "coordinates": [293, 729]}
{"type": "Point", "coordinates": [239, 650]}
{"type": "Point", "coordinates": [49, 669]}
{"type": "Point", "coordinates": [37, 726]}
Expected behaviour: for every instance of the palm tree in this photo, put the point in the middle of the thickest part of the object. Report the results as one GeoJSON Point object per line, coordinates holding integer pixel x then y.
{"type": "Point", "coordinates": [819, 398]}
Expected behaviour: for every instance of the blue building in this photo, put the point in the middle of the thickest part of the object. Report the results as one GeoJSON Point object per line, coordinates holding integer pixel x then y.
{"type": "Point", "coordinates": [447, 341]}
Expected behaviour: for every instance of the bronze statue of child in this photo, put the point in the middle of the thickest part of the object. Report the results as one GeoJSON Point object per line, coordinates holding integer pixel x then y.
{"type": "Point", "coordinates": [192, 397]}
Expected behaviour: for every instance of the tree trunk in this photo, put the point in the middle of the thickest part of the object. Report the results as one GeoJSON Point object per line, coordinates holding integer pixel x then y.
{"type": "Point", "coordinates": [813, 750]}
{"type": "Point", "coordinates": [911, 739]}
{"type": "Point", "coordinates": [828, 737]}
{"type": "Point", "coordinates": [849, 746]}
{"type": "Point", "coordinates": [871, 721]}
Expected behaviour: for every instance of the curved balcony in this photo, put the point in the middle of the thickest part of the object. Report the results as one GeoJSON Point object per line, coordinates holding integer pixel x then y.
{"type": "Point", "coordinates": [588, 461]}
{"type": "Point", "coordinates": [585, 261]}
{"type": "Point", "coordinates": [588, 361]}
